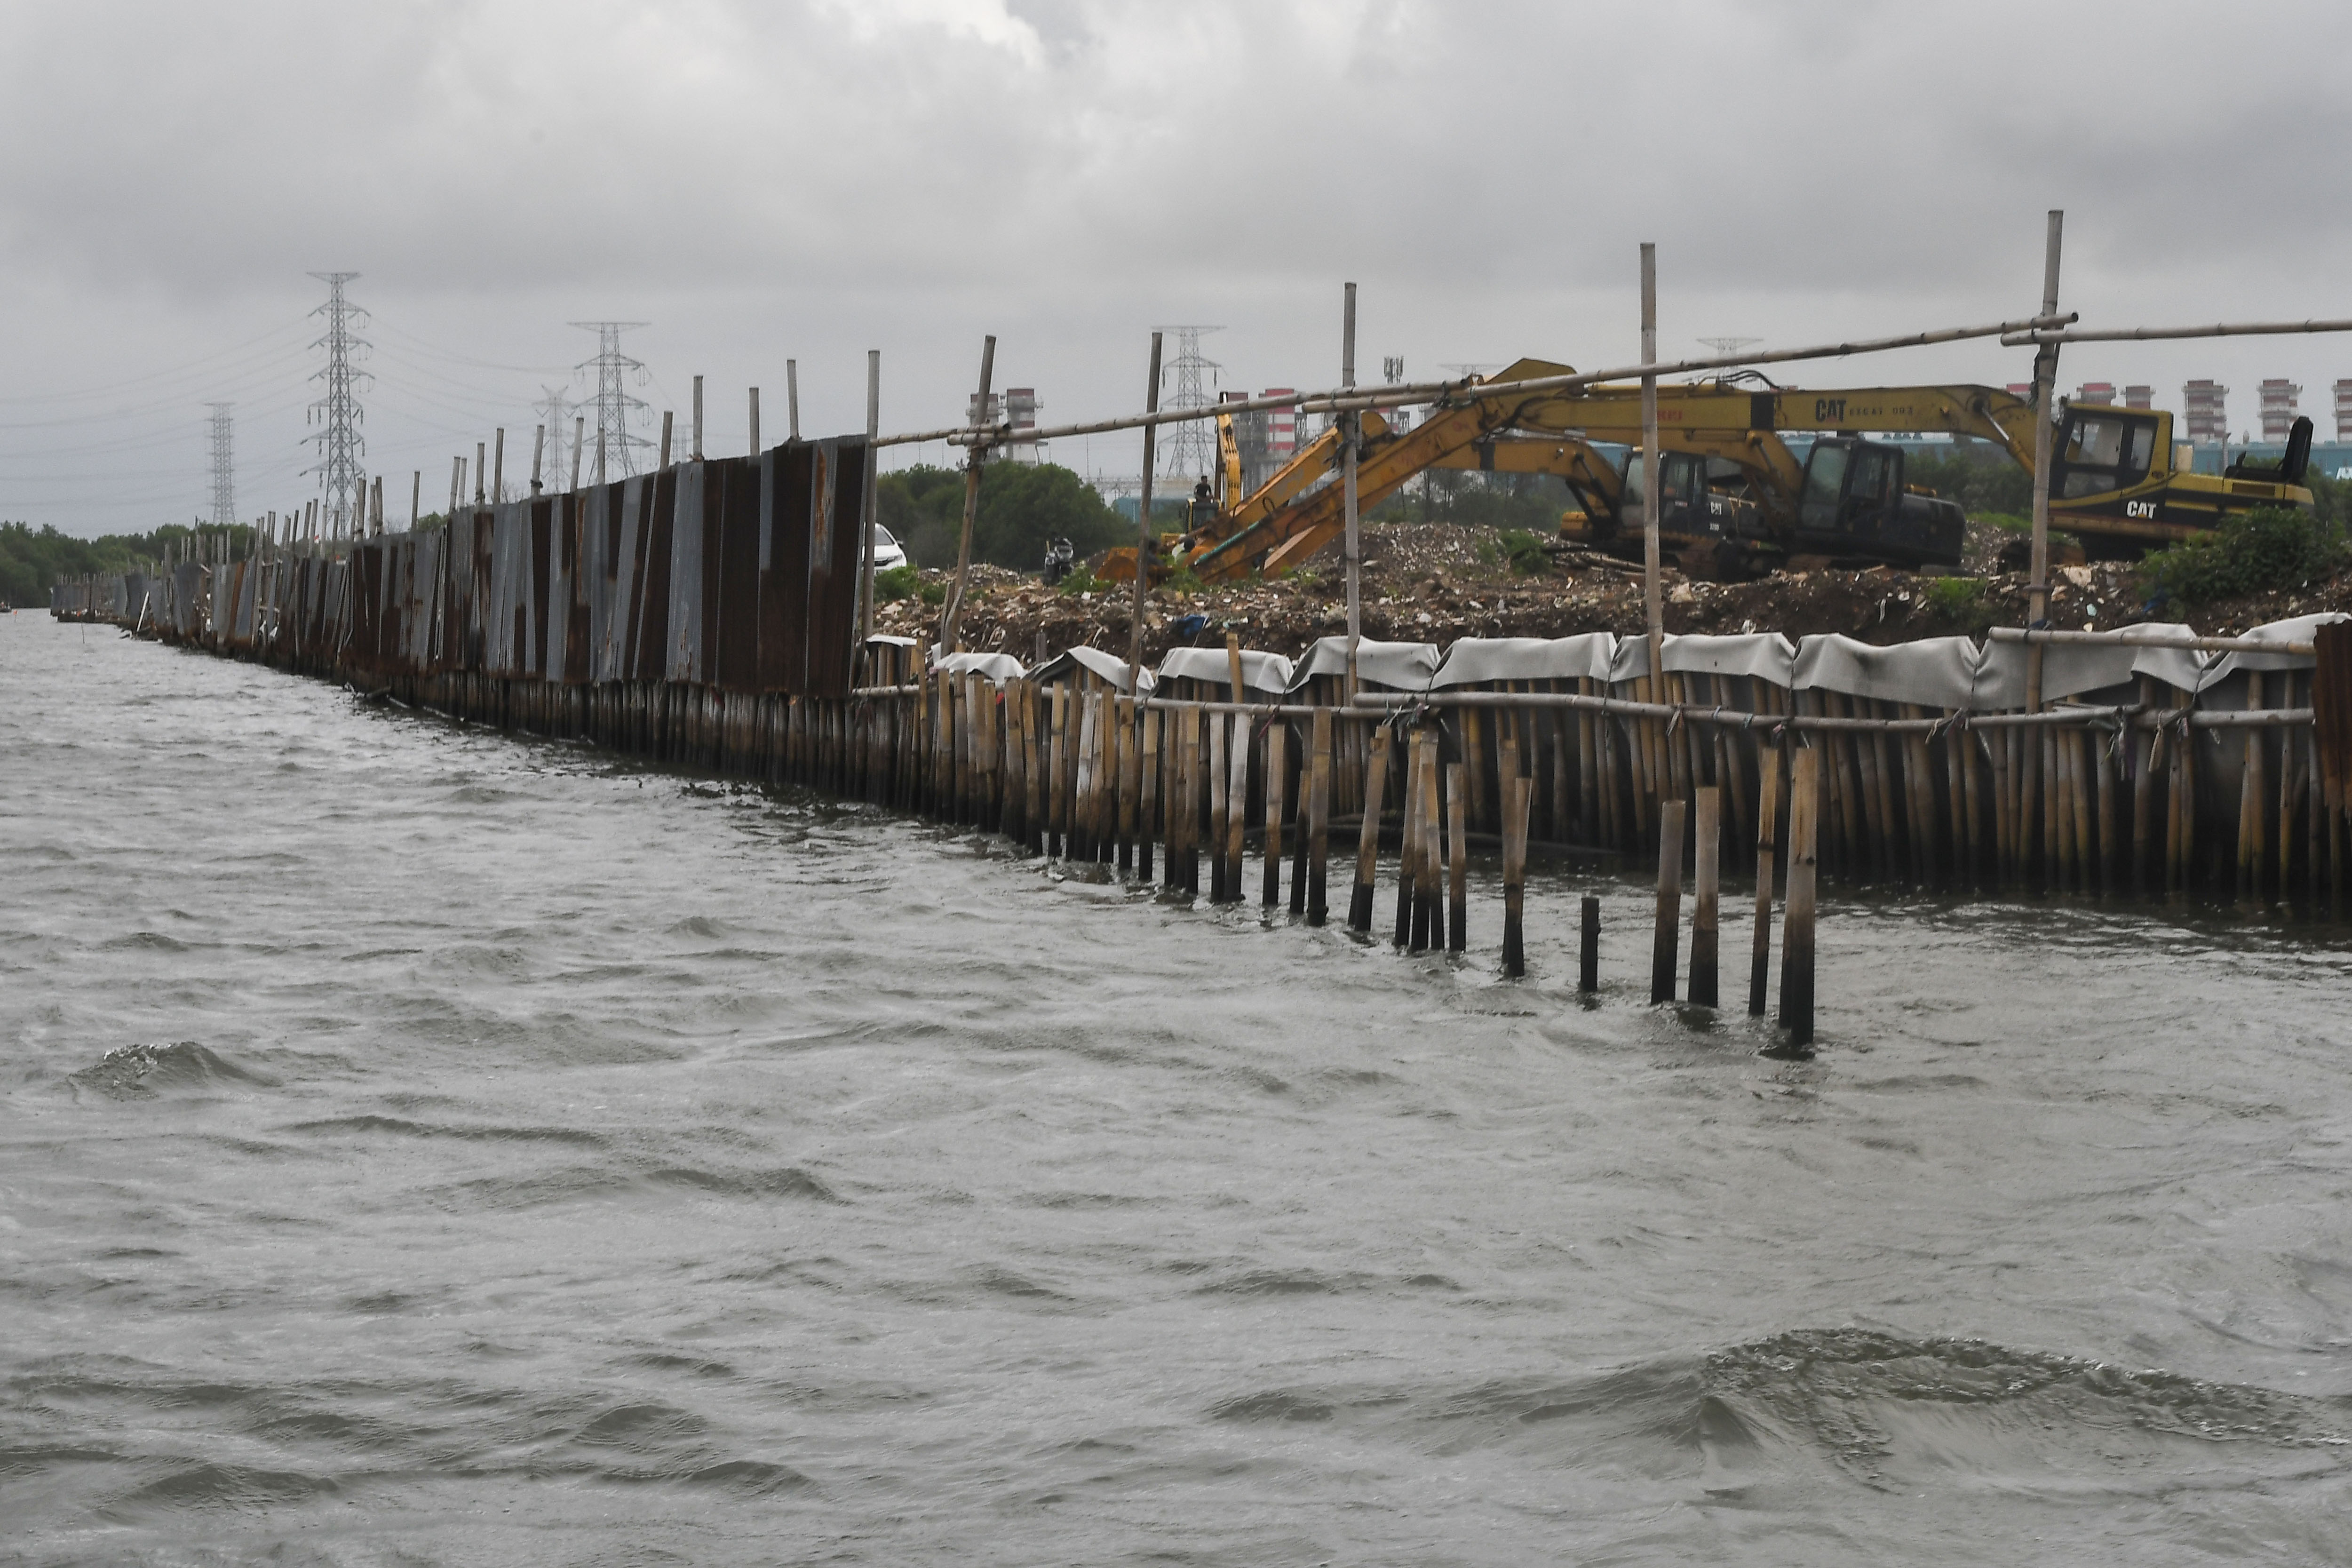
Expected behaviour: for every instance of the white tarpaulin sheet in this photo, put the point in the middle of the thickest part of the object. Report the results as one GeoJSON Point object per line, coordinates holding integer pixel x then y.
{"type": "Point", "coordinates": [2070, 669]}
{"type": "Point", "coordinates": [1265, 672]}
{"type": "Point", "coordinates": [1103, 665]}
{"type": "Point", "coordinates": [1936, 673]}
{"type": "Point", "coordinates": [1476, 659]}
{"type": "Point", "coordinates": [1391, 666]}
{"type": "Point", "coordinates": [2302, 628]}
{"type": "Point", "coordinates": [999, 667]}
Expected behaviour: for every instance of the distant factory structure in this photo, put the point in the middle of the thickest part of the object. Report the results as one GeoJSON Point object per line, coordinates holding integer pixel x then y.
{"type": "Point", "coordinates": [1016, 405]}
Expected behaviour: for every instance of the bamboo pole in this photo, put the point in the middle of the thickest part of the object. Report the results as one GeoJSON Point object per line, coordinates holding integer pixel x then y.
{"type": "Point", "coordinates": [1237, 807]}
{"type": "Point", "coordinates": [1368, 837]}
{"type": "Point", "coordinates": [1318, 820]}
{"type": "Point", "coordinates": [1588, 949]}
{"type": "Point", "coordinates": [1148, 796]}
{"type": "Point", "coordinates": [1352, 439]}
{"type": "Point", "coordinates": [1409, 839]}
{"type": "Point", "coordinates": [1458, 862]}
{"type": "Point", "coordinates": [951, 618]}
{"type": "Point", "coordinates": [1143, 535]}
{"type": "Point", "coordinates": [1518, 794]}
{"type": "Point", "coordinates": [1667, 938]}
{"type": "Point", "coordinates": [1768, 811]}
{"type": "Point", "coordinates": [1797, 911]}
{"type": "Point", "coordinates": [1707, 891]}
{"type": "Point", "coordinates": [1277, 791]}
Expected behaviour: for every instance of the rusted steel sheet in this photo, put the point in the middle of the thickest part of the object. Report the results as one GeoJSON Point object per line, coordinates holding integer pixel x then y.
{"type": "Point", "coordinates": [738, 574]}
{"type": "Point", "coordinates": [649, 639]}
{"type": "Point", "coordinates": [784, 566]}
{"type": "Point", "coordinates": [837, 495]}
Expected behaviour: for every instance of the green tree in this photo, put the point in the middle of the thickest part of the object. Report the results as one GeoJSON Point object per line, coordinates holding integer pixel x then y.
{"type": "Point", "coordinates": [1022, 505]}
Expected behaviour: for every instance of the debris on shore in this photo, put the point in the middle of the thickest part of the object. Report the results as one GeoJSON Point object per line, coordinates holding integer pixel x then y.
{"type": "Point", "coordinates": [1437, 582]}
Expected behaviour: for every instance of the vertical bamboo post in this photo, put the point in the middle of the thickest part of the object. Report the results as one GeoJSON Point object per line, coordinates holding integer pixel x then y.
{"type": "Point", "coordinates": [1277, 790]}
{"type": "Point", "coordinates": [870, 507]}
{"type": "Point", "coordinates": [754, 411]}
{"type": "Point", "coordinates": [1408, 839]}
{"type": "Point", "coordinates": [1367, 835]}
{"type": "Point", "coordinates": [1768, 811]}
{"type": "Point", "coordinates": [1518, 794]}
{"type": "Point", "coordinates": [1147, 808]}
{"type": "Point", "coordinates": [1319, 822]}
{"type": "Point", "coordinates": [1220, 804]}
{"type": "Point", "coordinates": [2037, 592]}
{"type": "Point", "coordinates": [1457, 862]}
{"type": "Point", "coordinates": [1130, 760]}
{"type": "Point", "coordinates": [1653, 596]}
{"type": "Point", "coordinates": [1588, 949]}
{"type": "Point", "coordinates": [792, 398]}
{"type": "Point", "coordinates": [1143, 535]}
{"type": "Point", "coordinates": [1705, 892]}
{"type": "Point", "coordinates": [1797, 911]}
{"type": "Point", "coordinates": [1429, 864]}
{"type": "Point", "coordinates": [1237, 807]}
{"type": "Point", "coordinates": [1197, 796]}
{"type": "Point", "coordinates": [1351, 439]}
{"type": "Point", "coordinates": [951, 618]}
{"type": "Point", "coordinates": [1666, 940]}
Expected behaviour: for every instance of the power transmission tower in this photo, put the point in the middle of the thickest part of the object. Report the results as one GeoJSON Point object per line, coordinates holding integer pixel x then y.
{"type": "Point", "coordinates": [614, 407]}
{"type": "Point", "coordinates": [556, 411]}
{"type": "Point", "coordinates": [339, 413]}
{"type": "Point", "coordinates": [224, 467]}
{"type": "Point", "coordinates": [1191, 444]}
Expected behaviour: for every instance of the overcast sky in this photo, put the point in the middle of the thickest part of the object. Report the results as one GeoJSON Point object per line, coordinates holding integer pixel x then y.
{"type": "Point", "coordinates": [759, 181]}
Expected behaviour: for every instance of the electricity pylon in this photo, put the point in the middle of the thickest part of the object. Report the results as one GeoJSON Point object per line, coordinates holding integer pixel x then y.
{"type": "Point", "coordinates": [615, 408]}
{"type": "Point", "coordinates": [224, 467]}
{"type": "Point", "coordinates": [1192, 445]}
{"type": "Point", "coordinates": [339, 413]}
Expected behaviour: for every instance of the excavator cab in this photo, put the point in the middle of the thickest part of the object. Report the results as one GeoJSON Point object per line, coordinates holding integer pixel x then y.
{"type": "Point", "coordinates": [1704, 521]}
{"type": "Point", "coordinates": [2100, 449]}
{"type": "Point", "coordinates": [1854, 504]}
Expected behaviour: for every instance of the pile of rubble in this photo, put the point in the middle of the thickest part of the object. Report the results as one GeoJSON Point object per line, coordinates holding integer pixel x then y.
{"type": "Point", "coordinates": [1436, 582]}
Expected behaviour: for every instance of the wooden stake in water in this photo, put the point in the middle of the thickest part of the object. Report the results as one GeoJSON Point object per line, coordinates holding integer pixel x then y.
{"type": "Point", "coordinates": [1705, 893]}
{"type": "Point", "coordinates": [1457, 860]}
{"type": "Point", "coordinates": [1796, 916]}
{"type": "Point", "coordinates": [1588, 949]}
{"type": "Point", "coordinates": [1767, 808]}
{"type": "Point", "coordinates": [1277, 789]}
{"type": "Point", "coordinates": [1319, 821]}
{"type": "Point", "coordinates": [1666, 944]}
{"type": "Point", "coordinates": [1367, 837]}
{"type": "Point", "coordinates": [1519, 795]}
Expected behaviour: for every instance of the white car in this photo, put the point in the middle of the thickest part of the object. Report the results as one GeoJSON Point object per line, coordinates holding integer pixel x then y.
{"type": "Point", "coordinates": [887, 551]}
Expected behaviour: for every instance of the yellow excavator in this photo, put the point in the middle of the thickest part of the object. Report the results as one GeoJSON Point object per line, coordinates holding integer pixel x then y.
{"type": "Point", "coordinates": [2117, 481]}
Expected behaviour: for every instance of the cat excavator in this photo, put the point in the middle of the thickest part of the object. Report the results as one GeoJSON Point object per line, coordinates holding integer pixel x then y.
{"type": "Point", "coordinates": [1734, 498]}
{"type": "Point", "coordinates": [2117, 481]}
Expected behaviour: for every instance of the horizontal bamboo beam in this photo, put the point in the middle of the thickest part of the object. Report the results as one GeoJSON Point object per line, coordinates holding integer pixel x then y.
{"type": "Point", "coordinates": [2149, 334]}
{"type": "Point", "coordinates": [2163, 640]}
{"type": "Point", "coordinates": [1345, 400]}
{"type": "Point", "coordinates": [1739, 719]}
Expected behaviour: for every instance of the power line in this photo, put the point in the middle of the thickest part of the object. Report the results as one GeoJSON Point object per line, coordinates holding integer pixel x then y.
{"type": "Point", "coordinates": [615, 444]}
{"type": "Point", "coordinates": [224, 467]}
{"type": "Point", "coordinates": [340, 444]}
